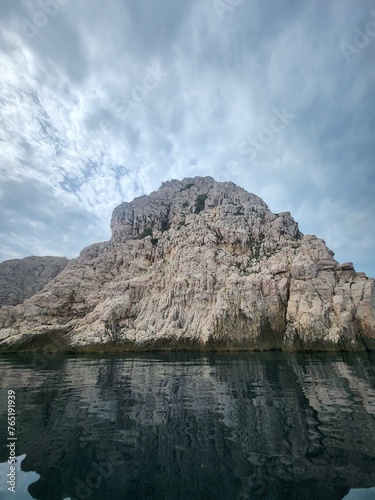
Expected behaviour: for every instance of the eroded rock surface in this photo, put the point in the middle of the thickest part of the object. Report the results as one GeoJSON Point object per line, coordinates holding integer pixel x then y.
{"type": "Point", "coordinates": [198, 264]}
{"type": "Point", "coordinates": [22, 278]}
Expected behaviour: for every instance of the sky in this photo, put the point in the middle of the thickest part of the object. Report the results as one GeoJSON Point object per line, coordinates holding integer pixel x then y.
{"type": "Point", "coordinates": [103, 101]}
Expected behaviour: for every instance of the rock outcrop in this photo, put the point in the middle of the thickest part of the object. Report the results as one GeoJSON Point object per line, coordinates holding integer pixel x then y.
{"type": "Point", "coordinates": [198, 264]}
{"type": "Point", "coordinates": [22, 278]}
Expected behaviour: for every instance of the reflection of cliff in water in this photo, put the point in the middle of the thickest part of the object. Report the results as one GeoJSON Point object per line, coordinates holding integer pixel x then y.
{"type": "Point", "coordinates": [238, 426]}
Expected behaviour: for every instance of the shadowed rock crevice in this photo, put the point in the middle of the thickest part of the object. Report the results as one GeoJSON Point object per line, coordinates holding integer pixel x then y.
{"type": "Point", "coordinates": [46, 342]}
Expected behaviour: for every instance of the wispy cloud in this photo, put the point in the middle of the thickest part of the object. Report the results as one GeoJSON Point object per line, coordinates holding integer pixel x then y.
{"type": "Point", "coordinates": [107, 100]}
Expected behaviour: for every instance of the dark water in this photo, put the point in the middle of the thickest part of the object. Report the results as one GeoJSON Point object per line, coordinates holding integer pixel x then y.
{"type": "Point", "coordinates": [183, 426]}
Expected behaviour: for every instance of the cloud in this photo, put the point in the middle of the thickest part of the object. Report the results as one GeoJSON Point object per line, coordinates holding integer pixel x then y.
{"type": "Point", "coordinates": [83, 122]}
{"type": "Point", "coordinates": [35, 216]}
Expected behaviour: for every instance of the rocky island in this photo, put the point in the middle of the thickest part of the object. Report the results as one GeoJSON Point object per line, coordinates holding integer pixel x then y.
{"type": "Point", "coordinates": [196, 265]}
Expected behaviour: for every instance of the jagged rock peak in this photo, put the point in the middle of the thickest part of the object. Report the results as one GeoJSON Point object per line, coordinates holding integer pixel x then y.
{"type": "Point", "coordinates": [198, 264]}
{"type": "Point", "coordinates": [175, 201]}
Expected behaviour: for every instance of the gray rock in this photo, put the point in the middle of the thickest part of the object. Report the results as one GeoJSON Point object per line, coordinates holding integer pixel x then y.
{"type": "Point", "coordinates": [22, 278]}
{"type": "Point", "coordinates": [203, 265]}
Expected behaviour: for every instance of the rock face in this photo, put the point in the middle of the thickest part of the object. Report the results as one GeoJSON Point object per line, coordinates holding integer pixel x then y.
{"type": "Point", "coordinates": [22, 278]}
{"type": "Point", "coordinates": [203, 265]}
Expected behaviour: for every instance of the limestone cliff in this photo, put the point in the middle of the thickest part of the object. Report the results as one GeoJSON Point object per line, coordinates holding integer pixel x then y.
{"type": "Point", "coordinates": [22, 278]}
{"type": "Point", "coordinates": [198, 264]}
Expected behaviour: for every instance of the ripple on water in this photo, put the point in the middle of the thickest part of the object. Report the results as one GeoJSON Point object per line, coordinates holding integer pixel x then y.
{"type": "Point", "coordinates": [217, 426]}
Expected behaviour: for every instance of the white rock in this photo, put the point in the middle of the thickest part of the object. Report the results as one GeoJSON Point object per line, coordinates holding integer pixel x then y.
{"type": "Point", "coordinates": [199, 264]}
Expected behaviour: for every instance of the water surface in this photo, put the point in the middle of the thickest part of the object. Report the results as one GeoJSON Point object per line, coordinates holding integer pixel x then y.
{"type": "Point", "coordinates": [185, 426]}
